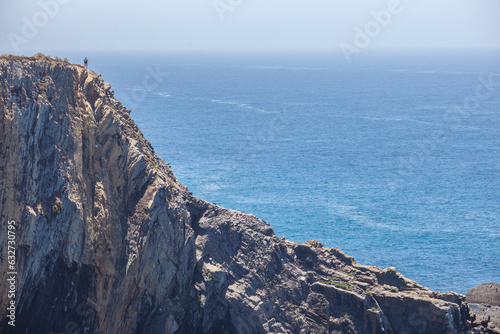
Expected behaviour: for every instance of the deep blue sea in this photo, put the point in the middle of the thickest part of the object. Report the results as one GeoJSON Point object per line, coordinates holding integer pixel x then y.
{"type": "Point", "coordinates": [393, 158]}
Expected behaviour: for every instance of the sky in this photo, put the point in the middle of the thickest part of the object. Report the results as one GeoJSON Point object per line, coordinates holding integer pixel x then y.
{"type": "Point", "coordinates": [74, 25]}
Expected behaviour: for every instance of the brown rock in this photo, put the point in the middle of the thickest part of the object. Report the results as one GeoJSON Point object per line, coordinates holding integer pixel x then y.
{"type": "Point", "coordinates": [486, 294]}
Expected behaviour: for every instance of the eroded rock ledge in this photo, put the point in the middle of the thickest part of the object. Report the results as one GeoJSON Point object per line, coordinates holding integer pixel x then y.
{"type": "Point", "coordinates": [109, 241]}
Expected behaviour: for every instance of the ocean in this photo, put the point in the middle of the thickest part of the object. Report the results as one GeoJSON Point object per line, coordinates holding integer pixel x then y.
{"type": "Point", "coordinates": [393, 158]}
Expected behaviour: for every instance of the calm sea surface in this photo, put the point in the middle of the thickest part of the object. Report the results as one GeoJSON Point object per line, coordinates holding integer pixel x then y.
{"type": "Point", "coordinates": [394, 158]}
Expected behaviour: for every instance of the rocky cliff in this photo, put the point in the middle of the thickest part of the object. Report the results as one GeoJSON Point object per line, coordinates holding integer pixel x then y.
{"type": "Point", "coordinates": [107, 240]}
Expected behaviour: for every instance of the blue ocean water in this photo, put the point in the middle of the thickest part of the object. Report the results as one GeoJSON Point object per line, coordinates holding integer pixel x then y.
{"type": "Point", "coordinates": [394, 158]}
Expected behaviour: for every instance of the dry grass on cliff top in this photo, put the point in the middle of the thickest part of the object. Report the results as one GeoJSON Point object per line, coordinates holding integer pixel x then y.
{"type": "Point", "coordinates": [38, 56]}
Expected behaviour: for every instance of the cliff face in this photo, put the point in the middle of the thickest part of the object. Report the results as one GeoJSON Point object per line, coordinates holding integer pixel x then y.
{"type": "Point", "coordinates": [109, 241]}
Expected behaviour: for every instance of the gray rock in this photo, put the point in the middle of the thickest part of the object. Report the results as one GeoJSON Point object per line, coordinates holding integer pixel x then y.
{"type": "Point", "coordinates": [487, 316]}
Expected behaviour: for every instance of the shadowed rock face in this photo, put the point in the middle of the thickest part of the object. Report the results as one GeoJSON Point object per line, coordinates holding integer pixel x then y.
{"type": "Point", "coordinates": [109, 241]}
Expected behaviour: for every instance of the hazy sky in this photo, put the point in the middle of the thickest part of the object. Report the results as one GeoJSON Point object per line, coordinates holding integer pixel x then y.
{"type": "Point", "coordinates": [245, 24]}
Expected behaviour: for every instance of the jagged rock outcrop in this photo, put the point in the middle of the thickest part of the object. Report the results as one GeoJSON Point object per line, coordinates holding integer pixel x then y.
{"type": "Point", "coordinates": [109, 241]}
{"type": "Point", "coordinates": [486, 316]}
{"type": "Point", "coordinates": [485, 308]}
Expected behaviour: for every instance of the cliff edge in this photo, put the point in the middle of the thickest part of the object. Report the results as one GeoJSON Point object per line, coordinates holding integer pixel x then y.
{"type": "Point", "coordinates": [107, 240]}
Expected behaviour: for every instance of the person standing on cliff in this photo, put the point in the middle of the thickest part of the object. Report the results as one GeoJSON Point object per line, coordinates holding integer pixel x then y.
{"type": "Point", "coordinates": [86, 63]}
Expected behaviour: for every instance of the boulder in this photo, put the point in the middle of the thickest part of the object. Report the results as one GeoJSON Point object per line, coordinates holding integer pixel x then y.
{"type": "Point", "coordinates": [486, 294]}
